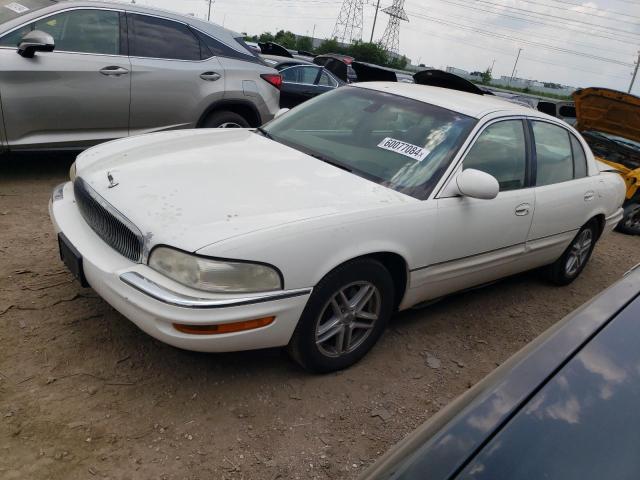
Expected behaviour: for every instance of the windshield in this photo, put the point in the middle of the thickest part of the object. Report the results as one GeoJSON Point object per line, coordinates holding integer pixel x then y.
{"type": "Point", "coordinates": [395, 141]}
{"type": "Point", "coordinates": [10, 10]}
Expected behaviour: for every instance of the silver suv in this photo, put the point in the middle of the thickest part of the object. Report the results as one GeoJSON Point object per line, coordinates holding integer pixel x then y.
{"type": "Point", "coordinates": [74, 73]}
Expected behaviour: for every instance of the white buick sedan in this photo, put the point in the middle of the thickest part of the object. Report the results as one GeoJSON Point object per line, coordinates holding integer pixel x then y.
{"type": "Point", "coordinates": [312, 231]}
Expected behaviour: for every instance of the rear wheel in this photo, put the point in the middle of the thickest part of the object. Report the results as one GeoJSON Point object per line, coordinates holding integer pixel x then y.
{"type": "Point", "coordinates": [225, 119]}
{"type": "Point", "coordinates": [631, 221]}
{"type": "Point", "coordinates": [570, 265]}
{"type": "Point", "coordinates": [344, 318]}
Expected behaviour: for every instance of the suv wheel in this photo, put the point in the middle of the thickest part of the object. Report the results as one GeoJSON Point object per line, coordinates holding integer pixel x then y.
{"type": "Point", "coordinates": [225, 119]}
{"type": "Point", "coordinates": [344, 318]}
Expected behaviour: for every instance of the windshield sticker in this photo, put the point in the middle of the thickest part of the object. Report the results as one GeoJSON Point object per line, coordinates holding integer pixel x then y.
{"type": "Point", "coordinates": [16, 7]}
{"type": "Point", "coordinates": [403, 148]}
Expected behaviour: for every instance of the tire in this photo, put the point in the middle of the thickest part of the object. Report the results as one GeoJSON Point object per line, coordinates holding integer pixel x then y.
{"type": "Point", "coordinates": [570, 265]}
{"type": "Point", "coordinates": [630, 223]}
{"type": "Point", "coordinates": [225, 119]}
{"type": "Point", "coordinates": [327, 315]}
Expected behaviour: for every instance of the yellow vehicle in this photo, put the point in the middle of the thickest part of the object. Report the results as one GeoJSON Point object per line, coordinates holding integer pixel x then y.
{"type": "Point", "coordinates": [610, 123]}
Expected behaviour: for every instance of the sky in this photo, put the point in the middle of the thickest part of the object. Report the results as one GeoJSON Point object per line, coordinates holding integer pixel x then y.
{"type": "Point", "coordinates": [572, 42]}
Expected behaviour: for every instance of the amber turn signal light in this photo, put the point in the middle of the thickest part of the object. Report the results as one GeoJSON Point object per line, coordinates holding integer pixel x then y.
{"type": "Point", "coordinates": [224, 328]}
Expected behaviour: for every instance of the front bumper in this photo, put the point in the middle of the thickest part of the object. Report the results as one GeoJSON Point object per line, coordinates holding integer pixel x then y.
{"type": "Point", "coordinates": [154, 303]}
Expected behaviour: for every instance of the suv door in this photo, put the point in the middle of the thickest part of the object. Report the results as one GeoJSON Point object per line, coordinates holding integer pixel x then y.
{"type": "Point", "coordinates": [75, 96]}
{"type": "Point", "coordinates": [299, 84]}
{"type": "Point", "coordinates": [564, 192]}
{"type": "Point", "coordinates": [174, 74]}
{"type": "Point", "coordinates": [482, 240]}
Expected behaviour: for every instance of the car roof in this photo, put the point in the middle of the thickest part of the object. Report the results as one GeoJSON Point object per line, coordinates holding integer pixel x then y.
{"type": "Point", "coordinates": [469, 104]}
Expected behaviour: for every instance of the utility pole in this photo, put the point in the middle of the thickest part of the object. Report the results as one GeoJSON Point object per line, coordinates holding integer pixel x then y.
{"type": "Point", "coordinates": [515, 65]}
{"type": "Point", "coordinates": [375, 17]}
{"type": "Point", "coordinates": [635, 73]}
{"type": "Point", "coordinates": [493, 65]}
{"type": "Point", "coordinates": [209, 15]}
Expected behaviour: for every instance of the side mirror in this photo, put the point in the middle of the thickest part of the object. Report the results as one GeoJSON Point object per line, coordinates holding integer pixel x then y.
{"type": "Point", "coordinates": [35, 41]}
{"type": "Point", "coordinates": [476, 184]}
{"type": "Point", "coordinates": [281, 112]}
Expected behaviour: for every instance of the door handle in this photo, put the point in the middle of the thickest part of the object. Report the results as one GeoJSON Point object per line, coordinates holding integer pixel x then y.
{"type": "Point", "coordinates": [523, 210]}
{"type": "Point", "coordinates": [590, 195]}
{"type": "Point", "coordinates": [210, 76]}
{"type": "Point", "coordinates": [113, 71]}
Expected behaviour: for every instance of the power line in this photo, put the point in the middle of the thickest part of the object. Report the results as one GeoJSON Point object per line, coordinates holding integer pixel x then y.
{"type": "Point", "coordinates": [587, 6]}
{"type": "Point", "coordinates": [547, 37]}
{"type": "Point", "coordinates": [520, 40]}
{"type": "Point", "coordinates": [501, 5]}
{"type": "Point", "coordinates": [537, 20]}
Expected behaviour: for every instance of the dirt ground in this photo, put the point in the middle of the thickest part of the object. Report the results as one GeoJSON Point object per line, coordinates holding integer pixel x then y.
{"type": "Point", "coordinates": [85, 394]}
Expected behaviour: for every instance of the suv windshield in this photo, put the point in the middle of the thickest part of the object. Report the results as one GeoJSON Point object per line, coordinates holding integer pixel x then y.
{"type": "Point", "coordinates": [395, 141]}
{"type": "Point", "coordinates": [14, 9]}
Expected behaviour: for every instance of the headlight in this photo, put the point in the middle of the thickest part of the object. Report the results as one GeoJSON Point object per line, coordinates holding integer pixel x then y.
{"type": "Point", "coordinates": [72, 172]}
{"type": "Point", "coordinates": [218, 276]}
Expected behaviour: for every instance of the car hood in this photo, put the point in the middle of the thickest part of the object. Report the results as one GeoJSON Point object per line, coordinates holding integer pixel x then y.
{"type": "Point", "coordinates": [192, 188]}
{"type": "Point", "coordinates": [608, 111]}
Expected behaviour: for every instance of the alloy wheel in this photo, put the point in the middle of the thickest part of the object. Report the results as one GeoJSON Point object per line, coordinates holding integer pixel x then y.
{"type": "Point", "coordinates": [579, 253]}
{"type": "Point", "coordinates": [230, 125]}
{"type": "Point", "coordinates": [348, 319]}
{"type": "Point", "coordinates": [632, 221]}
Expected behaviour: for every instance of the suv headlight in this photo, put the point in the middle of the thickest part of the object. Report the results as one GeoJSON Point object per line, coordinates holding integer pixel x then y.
{"type": "Point", "coordinates": [219, 276]}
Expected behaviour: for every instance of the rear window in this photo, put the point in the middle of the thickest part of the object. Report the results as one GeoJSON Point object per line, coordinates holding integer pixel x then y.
{"type": "Point", "coordinates": [159, 38]}
{"type": "Point", "coordinates": [10, 10]}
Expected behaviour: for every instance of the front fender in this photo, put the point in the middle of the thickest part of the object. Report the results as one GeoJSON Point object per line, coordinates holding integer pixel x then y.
{"type": "Point", "coordinates": [306, 251]}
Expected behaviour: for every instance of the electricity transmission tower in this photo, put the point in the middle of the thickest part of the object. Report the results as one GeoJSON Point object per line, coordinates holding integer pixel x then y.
{"type": "Point", "coordinates": [349, 23]}
{"type": "Point", "coordinates": [390, 40]}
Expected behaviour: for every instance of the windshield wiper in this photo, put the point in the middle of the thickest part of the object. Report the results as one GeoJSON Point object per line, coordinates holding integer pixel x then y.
{"type": "Point", "coordinates": [264, 133]}
{"type": "Point", "coordinates": [330, 162]}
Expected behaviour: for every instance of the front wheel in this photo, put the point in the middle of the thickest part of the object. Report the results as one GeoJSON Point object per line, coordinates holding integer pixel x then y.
{"type": "Point", "coordinates": [345, 316]}
{"type": "Point", "coordinates": [631, 221]}
{"type": "Point", "coordinates": [225, 119]}
{"type": "Point", "coordinates": [570, 265]}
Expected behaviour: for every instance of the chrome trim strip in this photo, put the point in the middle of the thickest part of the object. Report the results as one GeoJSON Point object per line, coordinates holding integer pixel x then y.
{"type": "Point", "coordinates": [152, 289]}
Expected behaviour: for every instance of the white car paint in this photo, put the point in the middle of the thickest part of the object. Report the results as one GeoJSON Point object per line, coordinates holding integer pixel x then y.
{"type": "Point", "coordinates": [234, 194]}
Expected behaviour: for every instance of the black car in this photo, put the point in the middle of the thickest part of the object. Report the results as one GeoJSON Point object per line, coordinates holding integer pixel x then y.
{"type": "Point", "coordinates": [302, 82]}
{"type": "Point", "coordinates": [565, 407]}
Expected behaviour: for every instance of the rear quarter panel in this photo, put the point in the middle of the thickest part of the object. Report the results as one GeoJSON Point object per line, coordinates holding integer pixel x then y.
{"type": "Point", "coordinates": [242, 81]}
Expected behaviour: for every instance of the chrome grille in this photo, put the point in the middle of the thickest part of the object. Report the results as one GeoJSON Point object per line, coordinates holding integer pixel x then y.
{"type": "Point", "coordinates": [110, 225]}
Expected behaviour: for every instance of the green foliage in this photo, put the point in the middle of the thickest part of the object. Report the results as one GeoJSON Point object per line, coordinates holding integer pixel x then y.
{"type": "Point", "coordinates": [286, 38]}
{"type": "Point", "coordinates": [362, 51]}
{"type": "Point", "coordinates": [266, 37]}
{"type": "Point", "coordinates": [304, 43]}
{"type": "Point", "coordinates": [368, 52]}
{"type": "Point", "coordinates": [330, 46]}
{"type": "Point", "coordinates": [486, 77]}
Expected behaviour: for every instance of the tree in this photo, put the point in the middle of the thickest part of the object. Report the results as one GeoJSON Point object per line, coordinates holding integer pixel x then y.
{"type": "Point", "coordinates": [399, 63]}
{"type": "Point", "coordinates": [486, 77]}
{"type": "Point", "coordinates": [286, 38]}
{"type": "Point", "coordinates": [304, 43]}
{"type": "Point", "coordinates": [330, 46]}
{"type": "Point", "coordinates": [266, 37]}
{"type": "Point", "coordinates": [368, 52]}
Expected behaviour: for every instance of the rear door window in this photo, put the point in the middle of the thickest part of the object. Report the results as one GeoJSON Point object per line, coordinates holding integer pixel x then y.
{"type": "Point", "coordinates": [82, 31]}
{"type": "Point", "coordinates": [579, 158]}
{"type": "Point", "coordinates": [305, 75]}
{"type": "Point", "coordinates": [155, 37]}
{"type": "Point", "coordinates": [554, 154]}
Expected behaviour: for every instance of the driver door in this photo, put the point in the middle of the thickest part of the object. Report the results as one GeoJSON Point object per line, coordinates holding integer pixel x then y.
{"type": "Point", "coordinates": [75, 96]}
{"type": "Point", "coordinates": [481, 240]}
